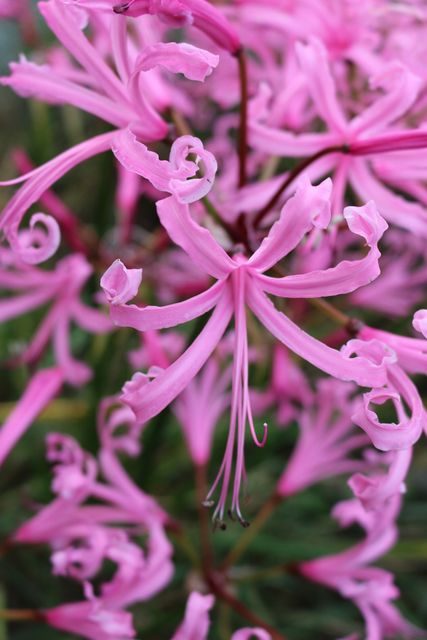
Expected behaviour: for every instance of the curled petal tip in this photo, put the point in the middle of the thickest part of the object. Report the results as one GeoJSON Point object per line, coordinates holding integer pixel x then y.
{"type": "Point", "coordinates": [120, 284]}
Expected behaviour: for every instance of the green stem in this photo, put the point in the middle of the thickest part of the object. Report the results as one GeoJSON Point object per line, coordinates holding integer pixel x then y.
{"type": "Point", "coordinates": [250, 533]}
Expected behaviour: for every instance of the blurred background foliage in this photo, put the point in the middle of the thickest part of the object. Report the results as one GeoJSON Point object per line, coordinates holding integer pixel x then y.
{"type": "Point", "coordinates": [299, 529]}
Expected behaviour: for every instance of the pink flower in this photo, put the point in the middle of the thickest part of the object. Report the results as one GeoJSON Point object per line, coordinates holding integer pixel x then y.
{"type": "Point", "coordinates": [371, 132]}
{"type": "Point", "coordinates": [120, 97]}
{"type": "Point", "coordinates": [370, 588]}
{"type": "Point", "coordinates": [326, 440]}
{"type": "Point", "coordinates": [199, 408]}
{"type": "Point", "coordinates": [91, 620]}
{"type": "Point", "coordinates": [241, 281]}
{"type": "Point", "coordinates": [120, 284]}
{"type": "Point", "coordinates": [63, 286]}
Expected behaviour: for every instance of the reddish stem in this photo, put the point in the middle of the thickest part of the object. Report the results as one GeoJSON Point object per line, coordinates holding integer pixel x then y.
{"type": "Point", "coordinates": [292, 176]}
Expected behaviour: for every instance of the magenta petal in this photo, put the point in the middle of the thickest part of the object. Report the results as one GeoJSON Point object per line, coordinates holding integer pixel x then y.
{"type": "Point", "coordinates": [392, 436]}
{"type": "Point", "coordinates": [42, 179]}
{"type": "Point", "coordinates": [347, 275]}
{"type": "Point", "coordinates": [308, 208]}
{"type": "Point", "coordinates": [192, 62]}
{"type": "Point", "coordinates": [196, 241]}
{"type": "Point", "coordinates": [196, 622]}
{"type": "Point", "coordinates": [149, 318]}
{"type": "Point", "coordinates": [359, 369]}
{"type": "Point", "coordinates": [41, 390]}
{"type": "Point", "coordinates": [149, 399]}
{"type": "Point", "coordinates": [120, 284]}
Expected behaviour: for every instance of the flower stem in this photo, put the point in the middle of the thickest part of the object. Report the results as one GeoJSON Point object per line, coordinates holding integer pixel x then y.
{"type": "Point", "coordinates": [243, 126]}
{"type": "Point", "coordinates": [219, 590]}
{"type": "Point", "coordinates": [250, 533]}
{"type": "Point", "coordinates": [20, 614]}
{"type": "Point", "coordinates": [292, 175]}
{"type": "Point", "coordinates": [201, 490]}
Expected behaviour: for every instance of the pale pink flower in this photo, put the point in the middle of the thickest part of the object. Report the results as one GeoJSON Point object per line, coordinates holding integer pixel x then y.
{"type": "Point", "coordinates": [374, 489]}
{"type": "Point", "coordinates": [288, 389]}
{"type": "Point", "coordinates": [91, 619]}
{"type": "Point", "coordinates": [241, 281]}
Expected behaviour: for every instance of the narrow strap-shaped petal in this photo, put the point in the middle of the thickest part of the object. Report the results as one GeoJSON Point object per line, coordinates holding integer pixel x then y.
{"type": "Point", "coordinates": [150, 399]}
{"type": "Point", "coordinates": [194, 63]}
{"type": "Point", "coordinates": [402, 88]}
{"type": "Point", "coordinates": [60, 21]}
{"type": "Point", "coordinates": [18, 305]}
{"type": "Point", "coordinates": [309, 207]}
{"type": "Point", "coordinates": [282, 143]}
{"type": "Point", "coordinates": [320, 83]}
{"type": "Point", "coordinates": [149, 318]}
{"type": "Point", "coordinates": [169, 176]}
{"type": "Point", "coordinates": [333, 362]}
{"type": "Point", "coordinates": [408, 429]}
{"type": "Point", "coordinates": [43, 387]}
{"type": "Point", "coordinates": [348, 275]}
{"type": "Point", "coordinates": [396, 210]}
{"type": "Point", "coordinates": [92, 320]}
{"type": "Point", "coordinates": [41, 180]}
{"type": "Point", "coordinates": [44, 83]}
{"type": "Point", "coordinates": [197, 242]}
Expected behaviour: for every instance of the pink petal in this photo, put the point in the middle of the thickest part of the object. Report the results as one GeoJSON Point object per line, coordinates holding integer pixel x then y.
{"type": "Point", "coordinates": [333, 362]}
{"type": "Point", "coordinates": [42, 389]}
{"type": "Point", "coordinates": [147, 400]}
{"type": "Point", "coordinates": [194, 63]}
{"type": "Point", "coordinates": [149, 318]}
{"type": "Point", "coordinates": [120, 284]}
{"type": "Point", "coordinates": [308, 208]}
{"type": "Point", "coordinates": [313, 60]}
{"type": "Point", "coordinates": [402, 88]}
{"type": "Point", "coordinates": [420, 321]}
{"type": "Point", "coordinates": [39, 182]}
{"type": "Point", "coordinates": [197, 242]}
{"type": "Point", "coordinates": [196, 621]}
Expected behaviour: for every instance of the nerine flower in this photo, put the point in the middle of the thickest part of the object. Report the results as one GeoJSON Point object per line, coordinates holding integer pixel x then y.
{"type": "Point", "coordinates": [241, 282]}
{"type": "Point", "coordinates": [326, 439]}
{"type": "Point", "coordinates": [120, 97]}
{"type": "Point", "coordinates": [370, 133]}
{"type": "Point", "coordinates": [83, 536]}
{"type": "Point", "coordinates": [370, 588]}
{"type": "Point", "coordinates": [62, 288]}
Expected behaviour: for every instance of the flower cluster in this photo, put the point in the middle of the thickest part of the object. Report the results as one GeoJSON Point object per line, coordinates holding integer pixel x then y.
{"type": "Point", "coordinates": [262, 245]}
